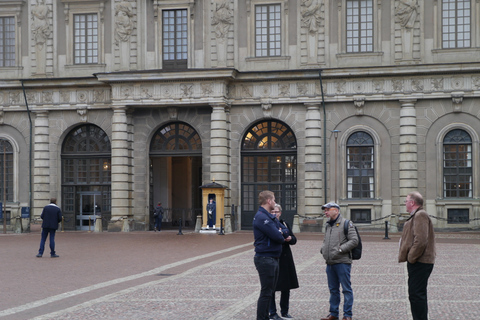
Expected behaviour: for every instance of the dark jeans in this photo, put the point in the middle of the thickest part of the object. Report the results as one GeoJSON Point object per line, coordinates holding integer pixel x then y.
{"type": "Point", "coordinates": [267, 268]}
{"type": "Point", "coordinates": [418, 274]}
{"type": "Point", "coordinates": [284, 303]}
{"type": "Point", "coordinates": [45, 232]}
{"type": "Point", "coordinates": [158, 223]}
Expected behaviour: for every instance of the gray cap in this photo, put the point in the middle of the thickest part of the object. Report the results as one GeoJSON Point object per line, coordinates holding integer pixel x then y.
{"type": "Point", "coordinates": [331, 204]}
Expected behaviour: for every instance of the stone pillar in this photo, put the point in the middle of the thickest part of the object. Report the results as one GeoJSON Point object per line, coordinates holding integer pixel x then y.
{"type": "Point", "coordinates": [121, 199]}
{"type": "Point", "coordinates": [313, 161]}
{"type": "Point", "coordinates": [408, 166]}
{"type": "Point", "coordinates": [41, 164]}
{"type": "Point", "coordinates": [219, 145]}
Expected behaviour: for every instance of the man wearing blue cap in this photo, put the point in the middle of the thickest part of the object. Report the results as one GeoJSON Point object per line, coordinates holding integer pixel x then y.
{"type": "Point", "coordinates": [336, 252]}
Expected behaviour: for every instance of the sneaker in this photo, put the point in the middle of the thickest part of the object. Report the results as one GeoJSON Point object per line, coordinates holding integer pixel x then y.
{"type": "Point", "coordinates": [39, 255]}
{"type": "Point", "coordinates": [287, 316]}
{"type": "Point", "coordinates": [54, 256]}
{"type": "Point", "coordinates": [274, 317]}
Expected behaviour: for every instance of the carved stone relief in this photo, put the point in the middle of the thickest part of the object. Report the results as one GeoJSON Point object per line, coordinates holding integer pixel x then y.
{"type": "Point", "coordinates": [267, 108]}
{"type": "Point", "coordinates": [47, 97]}
{"type": "Point", "coordinates": [222, 18]}
{"type": "Point", "coordinates": [302, 88]}
{"type": "Point", "coordinates": [82, 112]}
{"type": "Point", "coordinates": [41, 28]}
{"type": "Point", "coordinates": [457, 99]}
{"type": "Point", "coordinates": [187, 89]}
{"type": "Point", "coordinates": [173, 113]}
{"type": "Point", "coordinates": [437, 84]}
{"type": "Point", "coordinates": [359, 103]}
{"type": "Point", "coordinates": [123, 22]}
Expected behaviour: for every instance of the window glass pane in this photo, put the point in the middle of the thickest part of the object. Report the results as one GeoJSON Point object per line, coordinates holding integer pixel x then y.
{"type": "Point", "coordinates": [358, 31]}
{"type": "Point", "coordinates": [7, 41]}
{"type": "Point", "coordinates": [456, 28]}
{"type": "Point", "coordinates": [360, 166]}
{"type": "Point", "coordinates": [457, 164]}
{"type": "Point", "coordinates": [85, 38]}
{"type": "Point", "coordinates": [175, 30]}
{"type": "Point", "coordinates": [267, 24]}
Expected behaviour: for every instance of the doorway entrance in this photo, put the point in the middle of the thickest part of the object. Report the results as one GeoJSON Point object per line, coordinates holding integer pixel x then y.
{"type": "Point", "coordinates": [176, 174]}
{"type": "Point", "coordinates": [89, 209]}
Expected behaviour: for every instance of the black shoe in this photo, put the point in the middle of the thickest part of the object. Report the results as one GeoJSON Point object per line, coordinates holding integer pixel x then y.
{"type": "Point", "coordinates": [287, 316]}
{"type": "Point", "coordinates": [274, 317]}
{"type": "Point", "coordinates": [39, 255]}
{"type": "Point", "coordinates": [54, 256]}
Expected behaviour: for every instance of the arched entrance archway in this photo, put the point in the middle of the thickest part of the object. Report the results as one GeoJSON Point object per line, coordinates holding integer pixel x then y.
{"type": "Point", "coordinates": [176, 173]}
{"type": "Point", "coordinates": [269, 162]}
{"type": "Point", "coordinates": [86, 177]}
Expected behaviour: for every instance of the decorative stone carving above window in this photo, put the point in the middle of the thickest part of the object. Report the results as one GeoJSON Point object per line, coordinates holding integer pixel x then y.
{"type": "Point", "coordinates": [165, 4]}
{"type": "Point", "coordinates": [457, 99]}
{"type": "Point", "coordinates": [359, 103]}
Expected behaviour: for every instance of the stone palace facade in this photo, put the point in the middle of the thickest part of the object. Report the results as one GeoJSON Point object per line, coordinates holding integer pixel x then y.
{"type": "Point", "coordinates": [112, 106]}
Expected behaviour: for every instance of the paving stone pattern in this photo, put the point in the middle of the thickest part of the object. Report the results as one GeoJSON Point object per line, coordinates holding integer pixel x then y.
{"type": "Point", "coordinates": [227, 286]}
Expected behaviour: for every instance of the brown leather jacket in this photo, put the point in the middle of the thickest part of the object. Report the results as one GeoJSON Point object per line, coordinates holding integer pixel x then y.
{"type": "Point", "coordinates": [418, 239]}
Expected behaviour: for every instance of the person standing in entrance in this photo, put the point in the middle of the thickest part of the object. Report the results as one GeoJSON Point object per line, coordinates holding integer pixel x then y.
{"type": "Point", "coordinates": [417, 248]}
{"type": "Point", "coordinates": [287, 276]}
{"type": "Point", "coordinates": [212, 213]}
{"type": "Point", "coordinates": [269, 238]}
{"type": "Point", "coordinates": [336, 252]}
{"type": "Point", "coordinates": [158, 215]}
{"type": "Point", "coordinates": [51, 216]}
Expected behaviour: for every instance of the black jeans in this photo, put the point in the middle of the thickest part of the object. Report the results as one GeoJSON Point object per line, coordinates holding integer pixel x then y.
{"type": "Point", "coordinates": [284, 303]}
{"type": "Point", "coordinates": [418, 274]}
{"type": "Point", "coordinates": [267, 268]}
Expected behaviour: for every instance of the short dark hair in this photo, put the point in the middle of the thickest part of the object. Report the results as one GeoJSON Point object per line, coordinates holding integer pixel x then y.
{"type": "Point", "coordinates": [53, 200]}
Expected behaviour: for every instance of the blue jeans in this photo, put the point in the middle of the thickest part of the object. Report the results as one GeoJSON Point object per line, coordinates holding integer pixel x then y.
{"type": "Point", "coordinates": [284, 303]}
{"type": "Point", "coordinates": [158, 222]}
{"type": "Point", "coordinates": [339, 274]}
{"type": "Point", "coordinates": [45, 232]}
{"type": "Point", "coordinates": [267, 268]}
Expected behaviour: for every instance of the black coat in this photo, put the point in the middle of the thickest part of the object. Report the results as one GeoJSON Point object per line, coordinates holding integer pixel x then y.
{"type": "Point", "coordinates": [51, 216]}
{"type": "Point", "coordinates": [287, 278]}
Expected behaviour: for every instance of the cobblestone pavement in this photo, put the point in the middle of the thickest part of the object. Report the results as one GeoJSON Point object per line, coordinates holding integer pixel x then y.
{"type": "Point", "coordinates": [147, 275]}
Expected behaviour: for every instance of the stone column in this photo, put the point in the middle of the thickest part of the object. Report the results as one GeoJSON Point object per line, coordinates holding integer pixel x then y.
{"type": "Point", "coordinates": [41, 175]}
{"type": "Point", "coordinates": [219, 145]}
{"type": "Point", "coordinates": [408, 148]}
{"type": "Point", "coordinates": [313, 161]}
{"type": "Point", "coordinates": [121, 199]}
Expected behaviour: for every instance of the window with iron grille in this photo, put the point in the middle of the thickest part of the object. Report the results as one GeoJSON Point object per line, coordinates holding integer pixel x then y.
{"type": "Point", "coordinates": [268, 33]}
{"type": "Point", "coordinates": [175, 39]}
{"type": "Point", "coordinates": [85, 31]}
{"type": "Point", "coordinates": [6, 171]}
{"type": "Point", "coordinates": [269, 162]}
{"type": "Point", "coordinates": [457, 216]}
{"type": "Point", "coordinates": [86, 167]}
{"type": "Point", "coordinates": [456, 21]}
{"type": "Point", "coordinates": [359, 26]}
{"type": "Point", "coordinates": [360, 166]}
{"type": "Point", "coordinates": [7, 41]}
{"type": "Point", "coordinates": [361, 215]}
{"type": "Point", "coordinates": [457, 164]}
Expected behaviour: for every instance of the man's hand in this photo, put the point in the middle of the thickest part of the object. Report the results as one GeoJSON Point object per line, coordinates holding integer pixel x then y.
{"type": "Point", "coordinates": [288, 239]}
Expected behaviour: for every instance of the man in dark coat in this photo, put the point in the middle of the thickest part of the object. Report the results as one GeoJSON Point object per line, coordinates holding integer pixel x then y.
{"type": "Point", "coordinates": [51, 216]}
{"type": "Point", "coordinates": [269, 238]}
{"type": "Point", "coordinates": [287, 277]}
{"type": "Point", "coordinates": [158, 215]}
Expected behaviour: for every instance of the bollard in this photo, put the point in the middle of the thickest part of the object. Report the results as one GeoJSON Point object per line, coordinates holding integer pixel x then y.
{"type": "Point", "coordinates": [221, 228]}
{"type": "Point", "coordinates": [89, 223]}
{"type": "Point", "coordinates": [386, 231]}
{"type": "Point", "coordinates": [63, 224]}
{"type": "Point", "coordinates": [180, 228]}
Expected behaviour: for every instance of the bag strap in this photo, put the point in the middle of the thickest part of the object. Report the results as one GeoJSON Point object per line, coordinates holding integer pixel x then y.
{"type": "Point", "coordinates": [345, 228]}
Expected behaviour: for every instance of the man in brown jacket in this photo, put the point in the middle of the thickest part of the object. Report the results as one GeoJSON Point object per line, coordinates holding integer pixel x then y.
{"type": "Point", "coordinates": [417, 248]}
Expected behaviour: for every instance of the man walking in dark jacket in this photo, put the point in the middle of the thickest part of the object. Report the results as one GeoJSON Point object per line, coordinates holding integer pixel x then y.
{"type": "Point", "coordinates": [51, 216]}
{"type": "Point", "coordinates": [268, 247]}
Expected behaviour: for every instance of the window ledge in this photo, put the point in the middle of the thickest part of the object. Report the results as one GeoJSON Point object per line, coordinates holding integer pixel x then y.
{"type": "Point", "coordinates": [280, 58]}
{"type": "Point", "coordinates": [358, 54]}
{"type": "Point", "coordinates": [455, 50]}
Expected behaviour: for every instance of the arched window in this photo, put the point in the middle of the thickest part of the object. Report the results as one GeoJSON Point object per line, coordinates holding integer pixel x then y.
{"type": "Point", "coordinates": [457, 164]}
{"type": "Point", "coordinates": [176, 137]}
{"type": "Point", "coordinates": [269, 162]}
{"type": "Point", "coordinates": [86, 176]}
{"type": "Point", "coordinates": [6, 170]}
{"type": "Point", "coordinates": [360, 166]}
